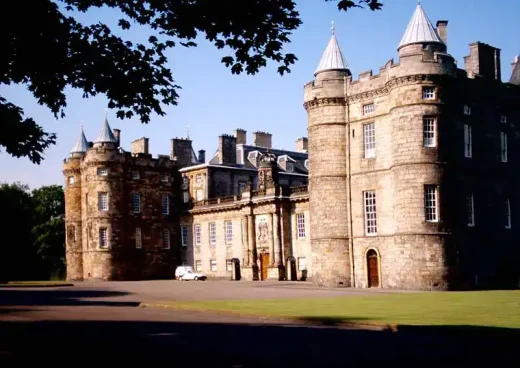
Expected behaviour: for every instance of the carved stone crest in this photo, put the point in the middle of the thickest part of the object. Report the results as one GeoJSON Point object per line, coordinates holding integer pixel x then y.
{"type": "Point", "coordinates": [263, 232]}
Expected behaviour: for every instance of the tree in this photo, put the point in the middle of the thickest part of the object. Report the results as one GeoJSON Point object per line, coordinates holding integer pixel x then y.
{"type": "Point", "coordinates": [46, 48]}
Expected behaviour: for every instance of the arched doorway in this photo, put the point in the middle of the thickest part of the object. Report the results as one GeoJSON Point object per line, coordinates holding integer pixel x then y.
{"type": "Point", "coordinates": [291, 271]}
{"type": "Point", "coordinates": [373, 268]}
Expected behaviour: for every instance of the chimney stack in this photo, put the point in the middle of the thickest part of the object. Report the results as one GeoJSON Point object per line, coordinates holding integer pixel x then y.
{"type": "Point", "coordinates": [240, 135]}
{"type": "Point", "coordinates": [227, 150]}
{"type": "Point", "coordinates": [139, 145]}
{"type": "Point", "coordinates": [262, 139]}
{"type": "Point", "coordinates": [484, 61]}
{"type": "Point", "coordinates": [117, 136]}
{"type": "Point", "coordinates": [442, 29]}
{"type": "Point", "coordinates": [302, 144]}
{"type": "Point", "coordinates": [202, 156]}
{"type": "Point", "coordinates": [180, 150]}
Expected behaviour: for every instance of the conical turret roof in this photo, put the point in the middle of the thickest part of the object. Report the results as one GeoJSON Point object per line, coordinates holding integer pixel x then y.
{"type": "Point", "coordinates": [419, 30]}
{"type": "Point", "coordinates": [81, 145]}
{"type": "Point", "coordinates": [332, 58]}
{"type": "Point", "coordinates": [106, 135]}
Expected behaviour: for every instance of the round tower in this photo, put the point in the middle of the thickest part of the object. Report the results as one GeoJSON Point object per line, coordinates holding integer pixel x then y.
{"type": "Point", "coordinates": [73, 209]}
{"type": "Point", "coordinates": [101, 172]}
{"type": "Point", "coordinates": [328, 195]}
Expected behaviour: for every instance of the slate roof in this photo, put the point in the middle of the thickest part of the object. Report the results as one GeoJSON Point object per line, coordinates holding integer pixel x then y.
{"type": "Point", "coordinates": [81, 145]}
{"type": "Point", "coordinates": [515, 75]}
{"type": "Point", "coordinates": [419, 30]}
{"type": "Point", "coordinates": [106, 135]}
{"type": "Point", "coordinates": [332, 58]}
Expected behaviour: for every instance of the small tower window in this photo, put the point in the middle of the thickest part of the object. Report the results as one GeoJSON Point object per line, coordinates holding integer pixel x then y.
{"type": "Point", "coordinates": [368, 109]}
{"type": "Point", "coordinates": [71, 180]}
{"type": "Point", "coordinates": [102, 171]}
{"type": "Point", "coordinates": [428, 93]}
{"type": "Point", "coordinates": [369, 138]}
{"type": "Point", "coordinates": [429, 132]}
{"type": "Point", "coordinates": [103, 201]}
{"type": "Point", "coordinates": [103, 237]}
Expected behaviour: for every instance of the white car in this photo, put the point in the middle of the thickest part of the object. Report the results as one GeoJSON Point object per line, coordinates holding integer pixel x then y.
{"type": "Point", "coordinates": [190, 275]}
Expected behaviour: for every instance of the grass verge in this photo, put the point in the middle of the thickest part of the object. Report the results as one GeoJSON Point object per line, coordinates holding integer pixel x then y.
{"type": "Point", "coordinates": [35, 284]}
{"type": "Point", "coordinates": [480, 308]}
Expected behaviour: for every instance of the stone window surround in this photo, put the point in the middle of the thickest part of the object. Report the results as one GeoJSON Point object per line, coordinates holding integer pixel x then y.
{"type": "Point", "coordinates": [429, 93]}
{"type": "Point", "coordinates": [370, 212]}
{"type": "Point", "coordinates": [104, 242]}
{"type": "Point", "coordinates": [184, 235]}
{"type": "Point", "coordinates": [300, 225]}
{"type": "Point", "coordinates": [212, 231]}
{"type": "Point", "coordinates": [197, 236]}
{"type": "Point", "coordinates": [431, 202]}
{"type": "Point", "coordinates": [369, 140]}
{"type": "Point", "coordinates": [103, 201]}
{"type": "Point", "coordinates": [71, 180]}
{"type": "Point", "coordinates": [102, 171]}
{"type": "Point", "coordinates": [368, 108]}
{"type": "Point", "coordinates": [228, 229]}
{"type": "Point", "coordinates": [165, 204]}
{"type": "Point", "coordinates": [213, 265]}
{"type": "Point", "coordinates": [429, 131]}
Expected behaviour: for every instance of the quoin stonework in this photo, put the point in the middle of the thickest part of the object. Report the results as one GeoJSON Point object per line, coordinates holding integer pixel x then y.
{"type": "Point", "coordinates": [408, 179]}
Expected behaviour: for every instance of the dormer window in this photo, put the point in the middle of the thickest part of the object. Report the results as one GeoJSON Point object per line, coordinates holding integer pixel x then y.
{"type": "Point", "coordinates": [428, 93]}
{"type": "Point", "coordinates": [503, 118]}
{"type": "Point", "coordinates": [102, 171]}
{"type": "Point", "coordinates": [467, 110]}
{"type": "Point", "coordinates": [368, 109]}
{"type": "Point", "coordinates": [289, 167]}
{"type": "Point", "coordinates": [253, 157]}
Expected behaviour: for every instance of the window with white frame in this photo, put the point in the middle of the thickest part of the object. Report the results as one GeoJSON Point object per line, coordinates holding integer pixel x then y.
{"type": "Point", "coordinates": [166, 238]}
{"type": "Point", "coordinates": [369, 199]}
{"type": "Point", "coordinates": [507, 214]}
{"type": "Point", "coordinates": [289, 166]}
{"type": "Point", "coordinates": [103, 237]}
{"type": "Point", "coordinates": [369, 139]}
{"type": "Point", "coordinates": [199, 194]}
{"type": "Point", "coordinates": [503, 146]}
{"type": "Point", "coordinates": [213, 265]}
{"type": "Point", "coordinates": [428, 93]}
{"type": "Point", "coordinates": [136, 203]}
{"type": "Point", "coordinates": [165, 204]}
{"type": "Point", "coordinates": [468, 141]}
{"type": "Point", "coordinates": [196, 234]}
{"type": "Point", "coordinates": [503, 118]}
{"type": "Point", "coordinates": [138, 239]}
{"type": "Point", "coordinates": [102, 171]}
{"type": "Point", "coordinates": [135, 175]}
{"type": "Point", "coordinates": [302, 263]}
{"type": "Point", "coordinates": [229, 231]}
{"type": "Point", "coordinates": [212, 233]}
{"type": "Point", "coordinates": [429, 132]}
{"type": "Point", "coordinates": [467, 110]}
{"type": "Point", "coordinates": [368, 108]}
{"type": "Point", "coordinates": [186, 197]}
{"type": "Point", "coordinates": [198, 265]}
{"type": "Point", "coordinates": [103, 201]}
{"type": "Point", "coordinates": [229, 265]}
{"type": "Point", "coordinates": [470, 207]}
{"type": "Point", "coordinates": [184, 235]}
{"type": "Point", "coordinates": [71, 180]}
{"type": "Point", "coordinates": [300, 225]}
{"type": "Point", "coordinates": [431, 207]}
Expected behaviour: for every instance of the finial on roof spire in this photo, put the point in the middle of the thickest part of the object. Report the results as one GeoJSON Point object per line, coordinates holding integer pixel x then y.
{"type": "Point", "coordinates": [419, 30]}
{"type": "Point", "coordinates": [332, 58]}
{"type": "Point", "coordinates": [332, 28]}
{"type": "Point", "coordinates": [106, 112]}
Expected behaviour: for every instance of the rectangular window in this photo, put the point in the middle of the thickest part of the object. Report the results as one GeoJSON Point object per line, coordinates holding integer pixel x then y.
{"type": "Point", "coordinates": [166, 239]}
{"type": "Point", "coordinates": [468, 145]}
{"type": "Point", "coordinates": [507, 214]}
{"type": "Point", "coordinates": [503, 146]}
{"type": "Point", "coordinates": [368, 108]}
{"type": "Point", "coordinates": [229, 265]}
{"type": "Point", "coordinates": [470, 209]}
{"type": "Point", "coordinates": [103, 201]}
{"type": "Point", "coordinates": [212, 233]}
{"type": "Point", "coordinates": [369, 199]}
{"type": "Point", "coordinates": [199, 195]}
{"type": "Point", "coordinates": [198, 265]}
{"type": "Point", "coordinates": [300, 225]}
{"type": "Point", "coordinates": [289, 167]}
{"type": "Point", "coordinates": [198, 179]}
{"type": "Point", "coordinates": [302, 263]}
{"type": "Point", "coordinates": [241, 186]}
{"type": "Point", "coordinates": [103, 171]}
{"type": "Point", "coordinates": [503, 118]}
{"type": "Point", "coordinates": [229, 231]}
{"type": "Point", "coordinates": [71, 180]}
{"type": "Point", "coordinates": [369, 139]}
{"type": "Point", "coordinates": [103, 238]}
{"type": "Point", "coordinates": [186, 197]}
{"type": "Point", "coordinates": [430, 203]}
{"type": "Point", "coordinates": [138, 239]}
{"type": "Point", "coordinates": [196, 232]}
{"type": "Point", "coordinates": [165, 178]}
{"type": "Point", "coordinates": [467, 110]}
{"type": "Point", "coordinates": [184, 235]}
{"type": "Point", "coordinates": [428, 93]}
{"type": "Point", "coordinates": [136, 203]}
{"type": "Point", "coordinates": [165, 204]}
{"type": "Point", "coordinates": [135, 175]}
{"type": "Point", "coordinates": [429, 132]}
{"type": "Point", "coordinates": [213, 265]}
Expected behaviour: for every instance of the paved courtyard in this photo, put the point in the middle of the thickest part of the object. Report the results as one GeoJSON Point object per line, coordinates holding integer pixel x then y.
{"type": "Point", "coordinates": [102, 323]}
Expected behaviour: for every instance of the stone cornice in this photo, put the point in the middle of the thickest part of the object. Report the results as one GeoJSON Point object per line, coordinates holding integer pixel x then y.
{"type": "Point", "coordinates": [320, 102]}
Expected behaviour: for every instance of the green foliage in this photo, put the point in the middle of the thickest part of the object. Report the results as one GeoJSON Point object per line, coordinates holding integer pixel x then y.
{"type": "Point", "coordinates": [34, 233]}
{"type": "Point", "coordinates": [47, 49]}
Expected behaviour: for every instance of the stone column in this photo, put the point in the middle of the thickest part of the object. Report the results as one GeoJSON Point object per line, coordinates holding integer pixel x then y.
{"type": "Point", "coordinates": [250, 238]}
{"type": "Point", "coordinates": [245, 241]}
{"type": "Point", "coordinates": [277, 243]}
{"type": "Point", "coordinates": [271, 243]}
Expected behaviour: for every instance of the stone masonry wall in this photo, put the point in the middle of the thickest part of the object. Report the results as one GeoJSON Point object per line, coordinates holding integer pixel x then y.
{"type": "Point", "coordinates": [73, 220]}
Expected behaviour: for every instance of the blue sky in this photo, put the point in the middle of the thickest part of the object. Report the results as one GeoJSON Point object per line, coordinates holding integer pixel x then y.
{"type": "Point", "coordinates": [213, 101]}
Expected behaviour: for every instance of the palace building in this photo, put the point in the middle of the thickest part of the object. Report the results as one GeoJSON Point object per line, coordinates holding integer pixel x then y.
{"type": "Point", "coordinates": [408, 179]}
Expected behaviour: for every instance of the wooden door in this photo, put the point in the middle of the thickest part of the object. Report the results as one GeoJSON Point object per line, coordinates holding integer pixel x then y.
{"type": "Point", "coordinates": [264, 262]}
{"type": "Point", "coordinates": [372, 268]}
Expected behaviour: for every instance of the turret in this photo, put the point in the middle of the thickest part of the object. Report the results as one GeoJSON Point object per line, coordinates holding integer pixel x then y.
{"type": "Point", "coordinates": [325, 104]}
{"type": "Point", "coordinates": [106, 137]}
{"type": "Point", "coordinates": [73, 209]}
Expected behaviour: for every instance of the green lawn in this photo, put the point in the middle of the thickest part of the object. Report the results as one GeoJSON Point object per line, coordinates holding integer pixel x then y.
{"type": "Point", "coordinates": [482, 308]}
